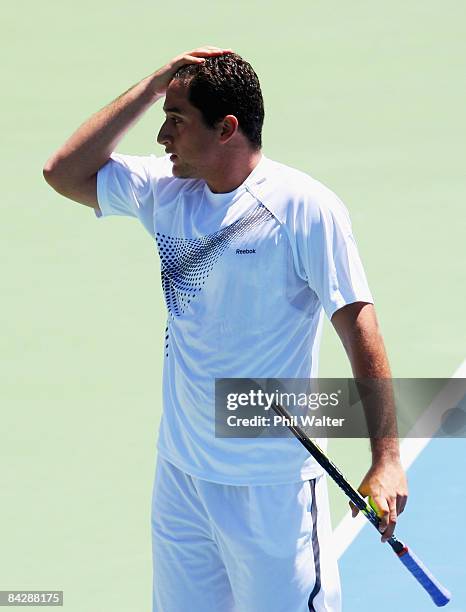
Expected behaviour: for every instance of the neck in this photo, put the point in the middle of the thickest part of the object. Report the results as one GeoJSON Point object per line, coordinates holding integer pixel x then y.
{"type": "Point", "coordinates": [231, 172]}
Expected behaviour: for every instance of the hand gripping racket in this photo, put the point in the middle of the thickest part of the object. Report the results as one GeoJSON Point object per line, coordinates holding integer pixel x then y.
{"type": "Point", "coordinates": [439, 594]}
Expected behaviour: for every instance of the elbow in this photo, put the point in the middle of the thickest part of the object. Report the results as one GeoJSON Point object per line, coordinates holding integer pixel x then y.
{"type": "Point", "coordinates": [58, 176]}
{"type": "Point", "coordinates": [51, 173]}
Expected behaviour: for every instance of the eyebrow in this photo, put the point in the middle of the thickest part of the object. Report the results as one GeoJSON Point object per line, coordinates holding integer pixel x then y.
{"type": "Point", "coordinates": [173, 109]}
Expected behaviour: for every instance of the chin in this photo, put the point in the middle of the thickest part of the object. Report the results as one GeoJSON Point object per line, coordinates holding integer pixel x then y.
{"type": "Point", "coordinates": [183, 173]}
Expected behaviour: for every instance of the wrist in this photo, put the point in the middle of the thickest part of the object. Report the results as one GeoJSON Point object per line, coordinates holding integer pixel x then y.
{"type": "Point", "coordinates": [386, 451]}
{"type": "Point", "coordinates": [152, 88]}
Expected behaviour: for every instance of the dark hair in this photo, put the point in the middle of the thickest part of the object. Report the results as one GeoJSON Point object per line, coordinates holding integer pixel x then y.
{"type": "Point", "coordinates": [226, 85]}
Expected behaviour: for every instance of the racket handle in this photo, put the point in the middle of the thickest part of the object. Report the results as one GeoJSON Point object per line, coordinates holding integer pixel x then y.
{"type": "Point", "coordinates": [439, 594]}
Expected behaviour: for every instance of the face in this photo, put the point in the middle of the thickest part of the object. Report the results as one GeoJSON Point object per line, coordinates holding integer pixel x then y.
{"type": "Point", "coordinates": [192, 145]}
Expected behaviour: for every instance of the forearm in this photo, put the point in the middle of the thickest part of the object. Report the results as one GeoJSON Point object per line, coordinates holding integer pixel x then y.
{"type": "Point", "coordinates": [90, 147]}
{"type": "Point", "coordinates": [369, 363]}
{"type": "Point", "coordinates": [385, 481]}
{"type": "Point", "coordinates": [365, 348]}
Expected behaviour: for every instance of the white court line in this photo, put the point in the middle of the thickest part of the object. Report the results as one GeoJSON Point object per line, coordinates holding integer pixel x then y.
{"type": "Point", "coordinates": [410, 448]}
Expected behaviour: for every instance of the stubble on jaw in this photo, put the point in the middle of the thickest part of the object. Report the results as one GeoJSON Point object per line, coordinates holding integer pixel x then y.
{"type": "Point", "coordinates": [181, 173]}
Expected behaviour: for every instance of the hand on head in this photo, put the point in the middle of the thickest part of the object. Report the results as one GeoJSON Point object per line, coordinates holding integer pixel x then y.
{"type": "Point", "coordinates": [197, 56]}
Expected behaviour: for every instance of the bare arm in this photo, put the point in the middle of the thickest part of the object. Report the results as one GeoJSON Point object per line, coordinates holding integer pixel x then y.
{"type": "Point", "coordinates": [72, 169]}
{"type": "Point", "coordinates": [385, 482]}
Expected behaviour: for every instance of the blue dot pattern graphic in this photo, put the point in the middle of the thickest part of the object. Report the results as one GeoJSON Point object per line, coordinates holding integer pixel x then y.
{"type": "Point", "coordinates": [187, 262]}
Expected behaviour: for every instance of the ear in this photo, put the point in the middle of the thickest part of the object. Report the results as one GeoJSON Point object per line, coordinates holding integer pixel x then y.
{"type": "Point", "coordinates": [229, 127]}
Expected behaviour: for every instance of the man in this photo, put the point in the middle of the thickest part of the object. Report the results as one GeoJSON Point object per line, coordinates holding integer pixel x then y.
{"type": "Point", "coordinates": [252, 253]}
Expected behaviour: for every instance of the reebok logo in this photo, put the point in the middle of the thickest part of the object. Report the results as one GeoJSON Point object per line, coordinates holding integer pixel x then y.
{"type": "Point", "coordinates": [245, 251]}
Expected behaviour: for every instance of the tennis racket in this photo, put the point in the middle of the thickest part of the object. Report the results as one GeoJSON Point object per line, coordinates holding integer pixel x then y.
{"type": "Point", "coordinates": [439, 594]}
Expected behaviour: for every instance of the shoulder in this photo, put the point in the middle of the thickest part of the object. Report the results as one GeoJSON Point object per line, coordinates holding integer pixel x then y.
{"type": "Point", "coordinates": [291, 194]}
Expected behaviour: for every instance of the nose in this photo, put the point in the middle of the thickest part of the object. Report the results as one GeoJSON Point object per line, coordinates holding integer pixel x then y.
{"type": "Point", "coordinates": [163, 137]}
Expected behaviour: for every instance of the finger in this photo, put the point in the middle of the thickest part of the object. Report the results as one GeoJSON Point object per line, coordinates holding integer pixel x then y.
{"type": "Point", "coordinates": [184, 60]}
{"type": "Point", "coordinates": [214, 48]}
{"type": "Point", "coordinates": [401, 502]}
{"type": "Point", "coordinates": [392, 516]}
{"type": "Point", "coordinates": [191, 59]}
{"type": "Point", "coordinates": [209, 51]}
{"type": "Point", "coordinates": [198, 56]}
{"type": "Point", "coordinates": [383, 512]}
{"type": "Point", "coordinates": [354, 510]}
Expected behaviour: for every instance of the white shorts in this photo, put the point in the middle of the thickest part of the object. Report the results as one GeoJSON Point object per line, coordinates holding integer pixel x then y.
{"type": "Point", "coordinates": [228, 548]}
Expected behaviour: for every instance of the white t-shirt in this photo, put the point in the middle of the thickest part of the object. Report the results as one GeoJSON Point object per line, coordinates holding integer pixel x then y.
{"type": "Point", "coordinates": [246, 277]}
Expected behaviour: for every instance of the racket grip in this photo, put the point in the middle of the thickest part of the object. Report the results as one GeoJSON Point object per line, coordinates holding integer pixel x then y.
{"type": "Point", "coordinates": [439, 594]}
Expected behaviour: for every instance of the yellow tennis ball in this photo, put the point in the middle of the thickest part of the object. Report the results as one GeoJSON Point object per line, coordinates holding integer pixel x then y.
{"type": "Point", "coordinates": [375, 507]}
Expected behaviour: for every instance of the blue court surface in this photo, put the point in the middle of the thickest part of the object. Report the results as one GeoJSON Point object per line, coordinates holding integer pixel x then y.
{"type": "Point", "coordinates": [432, 525]}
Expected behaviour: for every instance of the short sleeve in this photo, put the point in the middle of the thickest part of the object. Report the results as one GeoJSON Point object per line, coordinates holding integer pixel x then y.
{"type": "Point", "coordinates": [126, 185]}
{"type": "Point", "coordinates": [327, 255]}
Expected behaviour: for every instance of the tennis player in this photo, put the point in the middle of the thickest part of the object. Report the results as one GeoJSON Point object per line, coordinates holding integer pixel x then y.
{"type": "Point", "coordinates": [253, 254]}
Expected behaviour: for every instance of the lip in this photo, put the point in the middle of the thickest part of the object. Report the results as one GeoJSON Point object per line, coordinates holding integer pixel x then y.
{"type": "Point", "coordinates": [173, 157]}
